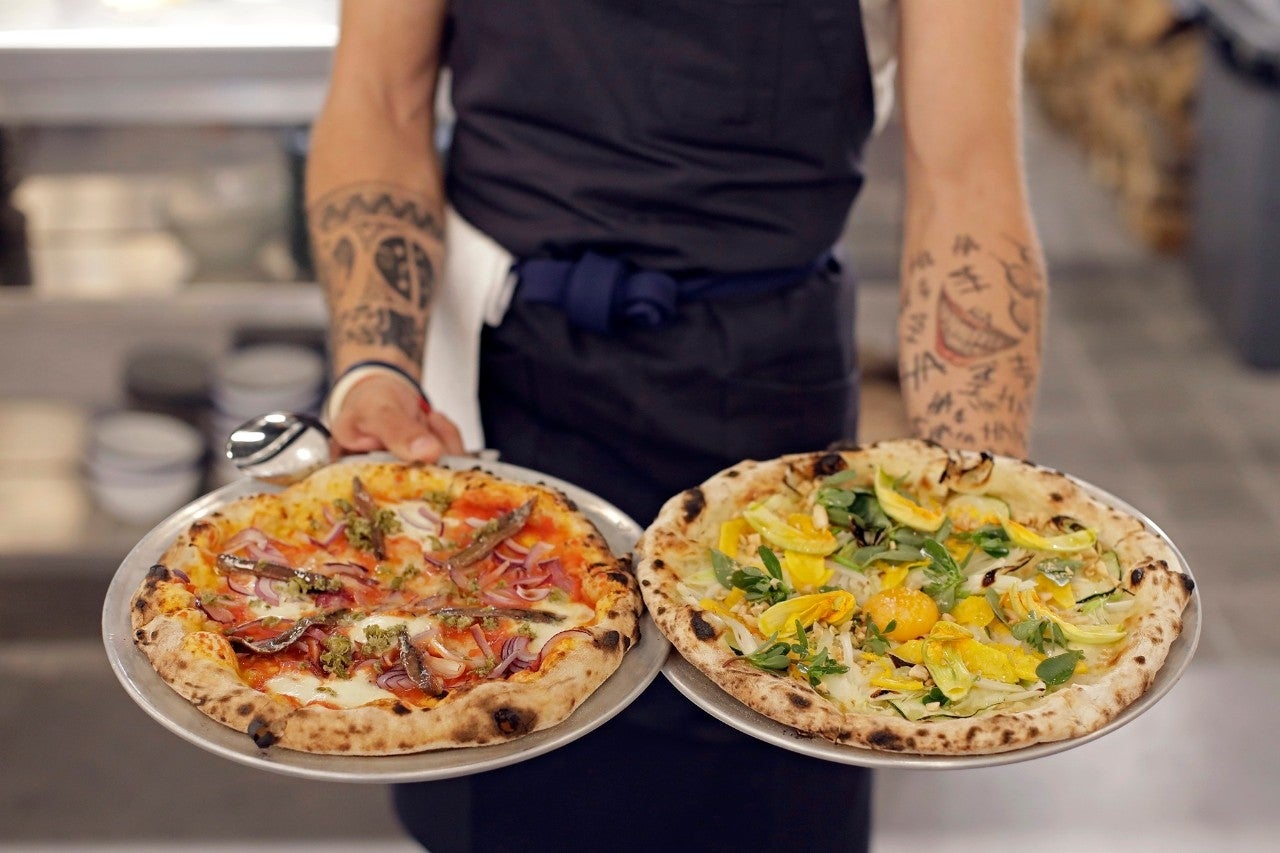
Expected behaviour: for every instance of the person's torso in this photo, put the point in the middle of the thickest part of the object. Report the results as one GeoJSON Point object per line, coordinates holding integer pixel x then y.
{"type": "Point", "coordinates": [680, 135]}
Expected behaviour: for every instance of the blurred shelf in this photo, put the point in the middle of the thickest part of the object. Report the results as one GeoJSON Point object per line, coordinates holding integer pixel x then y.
{"type": "Point", "coordinates": [193, 62]}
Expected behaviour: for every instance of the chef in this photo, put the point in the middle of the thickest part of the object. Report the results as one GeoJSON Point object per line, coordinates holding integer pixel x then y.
{"type": "Point", "coordinates": [620, 271]}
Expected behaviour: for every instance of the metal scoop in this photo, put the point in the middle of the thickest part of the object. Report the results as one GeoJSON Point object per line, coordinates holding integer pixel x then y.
{"type": "Point", "coordinates": [280, 448]}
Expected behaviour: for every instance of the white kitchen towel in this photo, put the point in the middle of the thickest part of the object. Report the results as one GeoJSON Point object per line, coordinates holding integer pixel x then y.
{"type": "Point", "coordinates": [475, 290]}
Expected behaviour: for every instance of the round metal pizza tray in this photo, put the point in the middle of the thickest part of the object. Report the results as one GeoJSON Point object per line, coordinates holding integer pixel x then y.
{"type": "Point", "coordinates": [708, 695]}
{"type": "Point", "coordinates": [639, 666]}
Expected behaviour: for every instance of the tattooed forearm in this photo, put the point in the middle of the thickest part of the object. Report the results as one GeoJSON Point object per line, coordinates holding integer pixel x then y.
{"type": "Point", "coordinates": [970, 334]}
{"type": "Point", "coordinates": [377, 250]}
{"type": "Point", "coordinates": [367, 325]}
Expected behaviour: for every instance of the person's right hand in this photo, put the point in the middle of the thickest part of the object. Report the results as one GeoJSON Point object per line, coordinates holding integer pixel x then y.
{"type": "Point", "coordinates": [386, 413]}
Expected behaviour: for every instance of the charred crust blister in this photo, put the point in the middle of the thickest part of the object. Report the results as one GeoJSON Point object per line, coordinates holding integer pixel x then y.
{"type": "Point", "coordinates": [799, 700]}
{"type": "Point", "coordinates": [701, 627]}
{"type": "Point", "coordinates": [609, 640]}
{"type": "Point", "coordinates": [1135, 577]}
{"type": "Point", "coordinates": [694, 503]}
{"type": "Point", "coordinates": [511, 721]}
{"type": "Point", "coordinates": [1188, 583]}
{"type": "Point", "coordinates": [400, 709]}
{"type": "Point", "coordinates": [261, 733]}
{"type": "Point", "coordinates": [828, 464]}
{"type": "Point", "coordinates": [885, 739]}
{"type": "Point", "coordinates": [158, 572]}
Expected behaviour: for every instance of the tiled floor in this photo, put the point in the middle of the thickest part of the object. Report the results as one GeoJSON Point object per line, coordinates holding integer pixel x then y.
{"type": "Point", "coordinates": [1140, 396]}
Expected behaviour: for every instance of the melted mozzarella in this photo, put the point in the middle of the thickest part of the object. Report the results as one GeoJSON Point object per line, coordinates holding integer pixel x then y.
{"type": "Point", "coordinates": [574, 614]}
{"type": "Point", "coordinates": [413, 624]}
{"type": "Point", "coordinates": [343, 692]}
{"type": "Point", "coordinates": [414, 525]}
{"type": "Point", "coordinates": [286, 609]}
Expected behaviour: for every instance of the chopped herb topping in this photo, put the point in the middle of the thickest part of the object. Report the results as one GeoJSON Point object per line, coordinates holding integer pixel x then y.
{"type": "Point", "coordinates": [338, 655]}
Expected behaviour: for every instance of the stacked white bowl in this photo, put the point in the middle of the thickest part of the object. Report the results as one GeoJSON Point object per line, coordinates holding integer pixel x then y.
{"type": "Point", "coordinates": [142, 466]}
{"type": "Point", "coordinates": [255, 380]}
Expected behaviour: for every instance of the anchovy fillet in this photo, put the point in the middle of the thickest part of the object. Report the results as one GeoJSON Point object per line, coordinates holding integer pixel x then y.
{"type": "Point", "coordinates": [275, 571]}
{"type": "Point", "coordinates": [492, 535]}
{"type": "Point", "coordinates": [497, 612]}
{"type": "Point", "coordinates": [280, 642]}
{"type": "Point", "coordinates": [417, 671]}
{"type": "Point", "coordinates": [368, 509]}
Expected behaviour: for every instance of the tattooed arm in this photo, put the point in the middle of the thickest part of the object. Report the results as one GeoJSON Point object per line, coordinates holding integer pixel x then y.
{"type": "Point", "coordinates": [375, 208]}
{"type": "Point", "coordinates": [973, 283]}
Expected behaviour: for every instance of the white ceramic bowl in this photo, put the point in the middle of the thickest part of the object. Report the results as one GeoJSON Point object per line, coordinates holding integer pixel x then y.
{"type": "Point", "coordinates": [142, 466]}
{"type": "Point", "coordinates": [268, 377]}
{"type": "Point", "coordinates": [143, 442]}
{"type": "Point", "coordinates": [146, 502]}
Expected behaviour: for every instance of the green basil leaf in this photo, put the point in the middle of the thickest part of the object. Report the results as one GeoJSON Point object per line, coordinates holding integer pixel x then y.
{"type": "Point", "coordinates": [943, 575]}
{"type": "Point", "coordinates": [1059, 668]}
{"type": "Point", "coordinates": [772, 655]}
{"type": "Point", "coordinates": [723, 565]}
{"type": "Point", "coordinates": [1031, 632]}
{"type": "Point", "coordinates": [993, 598]}
{"type": "Point", "coordinates": [868, 512]}
{"type": "Point", "coordinates": [840, 477]}
{"type": "Point", "coordinates": [770, 561]}
{"type": "Point", "coordinates": [841, 498]}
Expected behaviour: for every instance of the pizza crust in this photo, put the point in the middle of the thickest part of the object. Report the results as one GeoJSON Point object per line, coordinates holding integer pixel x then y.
{"type": "Point", "coordinates": [199, 664]}
{"type": "Point", "coordinates": [676, 546]}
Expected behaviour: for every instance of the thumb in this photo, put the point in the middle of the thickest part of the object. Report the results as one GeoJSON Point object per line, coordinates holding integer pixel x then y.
{"type": "Point", "coordinates": [409, 437]}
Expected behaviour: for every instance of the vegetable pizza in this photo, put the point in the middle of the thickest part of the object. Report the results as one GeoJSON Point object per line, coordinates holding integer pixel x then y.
{"type": "Point", "coordinates": [907, 598]}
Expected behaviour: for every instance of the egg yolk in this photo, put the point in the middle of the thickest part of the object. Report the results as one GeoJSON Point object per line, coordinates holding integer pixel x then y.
{"type": "Point", "coordinates": [912, 612]}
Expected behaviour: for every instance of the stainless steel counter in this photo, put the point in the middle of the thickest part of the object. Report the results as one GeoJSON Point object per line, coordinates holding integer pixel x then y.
{"type": "Point", "coordinates": [164, 61]}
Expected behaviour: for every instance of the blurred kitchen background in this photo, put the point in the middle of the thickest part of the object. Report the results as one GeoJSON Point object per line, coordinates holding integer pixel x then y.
{"type": "Point", "coordinates": [155, 289]}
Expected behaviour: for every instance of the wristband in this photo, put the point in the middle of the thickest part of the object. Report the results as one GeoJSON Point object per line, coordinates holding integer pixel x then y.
{"type": "Point", "coordinates": [362, 370]}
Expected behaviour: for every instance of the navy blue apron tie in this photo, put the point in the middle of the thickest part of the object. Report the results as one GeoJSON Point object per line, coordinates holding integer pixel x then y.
{"type": "Point", "coordinates": [599, 293]}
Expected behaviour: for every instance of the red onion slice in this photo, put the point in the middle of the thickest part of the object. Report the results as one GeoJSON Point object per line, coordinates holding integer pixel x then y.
{"type": "Point", "coordinates": [515, 546]}
{"type": "Point", "coordinates": [330, 537]}
{"type": "Point", "coordinates": [533, 594]}
{"type": "Point", "coordinates": [558, 576]}
{"type": "Point", "coordinates": [441, 650]}
{"type": "Point", "coordinates": [420, 516]}
{"type": "Point", "coordinates": [502, 598]}
{"type": "Point", "coordinates": [536, 553]}
{"type": "Point", "coordinates": [268, 552]}
{"type": "Point", "coordinates": [443, 667]}
{"type": "Point", "coordinates": [482, 643]}
{"type": "Point", "coordinates": [423, 637]}
{"type": "Point", "coordinates": [264, 589]}
{"type": "Point", "coordinates": [248, 536]}
{"type": "Point", "coordinates": [459, 579]}
{"type": "Point", "coordinates": [493, 575]}
{"type": "Point", "coordinates": [533, 579]}
{"type": "Point", "coordinates": [396, 680]}
{"type": "Point", "coordinates": [242, 582]}
{"type": "Point", "coordinates": [216, 612]}
{"type": "Point", "coordinates": [502, 666]}
{"type": "Point", "coordinates": [555, 638]}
